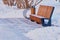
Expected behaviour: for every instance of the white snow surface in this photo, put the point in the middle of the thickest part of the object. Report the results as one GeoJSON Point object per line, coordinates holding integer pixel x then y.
{"type": "Point", "coordinates": [11, 12]}
{"type": "Point", "coordinates": [47, 33]}
{"type": "Point", "coordinates": [13, 25]}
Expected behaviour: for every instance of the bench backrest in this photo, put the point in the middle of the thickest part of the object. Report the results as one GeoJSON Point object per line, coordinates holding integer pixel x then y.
{"type": "Point", "coordinates": [45, 11]}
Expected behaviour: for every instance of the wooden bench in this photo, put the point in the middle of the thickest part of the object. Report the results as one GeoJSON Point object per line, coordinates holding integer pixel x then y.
{"type": "Point", "coordinates": [44, 13]}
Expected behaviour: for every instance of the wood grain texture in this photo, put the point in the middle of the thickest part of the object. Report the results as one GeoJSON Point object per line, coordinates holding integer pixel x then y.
{"type": "Point", "coordinates": [45, 11]}
{"type": "Point", "coordinates": [32, 10]}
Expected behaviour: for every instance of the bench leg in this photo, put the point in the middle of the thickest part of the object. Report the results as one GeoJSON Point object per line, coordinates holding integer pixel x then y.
{"type": "Point", "coordinates": [32, 20]}
{"type": "Point", "coordinates": [48, 24]}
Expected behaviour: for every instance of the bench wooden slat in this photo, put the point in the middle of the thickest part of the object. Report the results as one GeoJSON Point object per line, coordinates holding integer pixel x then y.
{"type": "Point", "coordinates": [37, 16]}
{"type": "Point", "coordinates": [45, 11]}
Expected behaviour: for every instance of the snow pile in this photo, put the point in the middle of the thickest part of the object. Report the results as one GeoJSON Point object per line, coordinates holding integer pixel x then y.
{"type": "Point", "coordinates": [15, 28]}
{"type": "Point", "coordinates": [47, 33]}
{"type": "Point", "coordinates": [9, 32]}
{"type": "Point", "coordinates": [56, 16]}
{"type": "Point", "coordinates": [12, 12]}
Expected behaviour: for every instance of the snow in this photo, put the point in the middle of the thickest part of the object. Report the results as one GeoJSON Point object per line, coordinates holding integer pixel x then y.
{"type": "Point", "coordinates": [11, 12]}
{"type": "Point", "coordinates": [13, 25]}
{"type": "Point", "coordinates": [15, 28]}
{"type": "Point", "coordinates": [47, 33]}
{"type": "Point", "coordinates": [9, 33]}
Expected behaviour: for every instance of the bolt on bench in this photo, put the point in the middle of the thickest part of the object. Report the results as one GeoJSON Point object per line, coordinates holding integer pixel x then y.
{"type": "Point", "coordinates": [44, 15]}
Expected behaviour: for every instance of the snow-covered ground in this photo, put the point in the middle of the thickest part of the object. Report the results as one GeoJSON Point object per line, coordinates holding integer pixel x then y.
{"type": "Point", "coordinates": [47, 33]}
{"type": "Point", "coordinates": [13, 25]}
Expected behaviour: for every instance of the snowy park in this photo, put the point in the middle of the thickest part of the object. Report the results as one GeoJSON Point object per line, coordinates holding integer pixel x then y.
{"type": "Point", "coordinates": [14, 25]}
